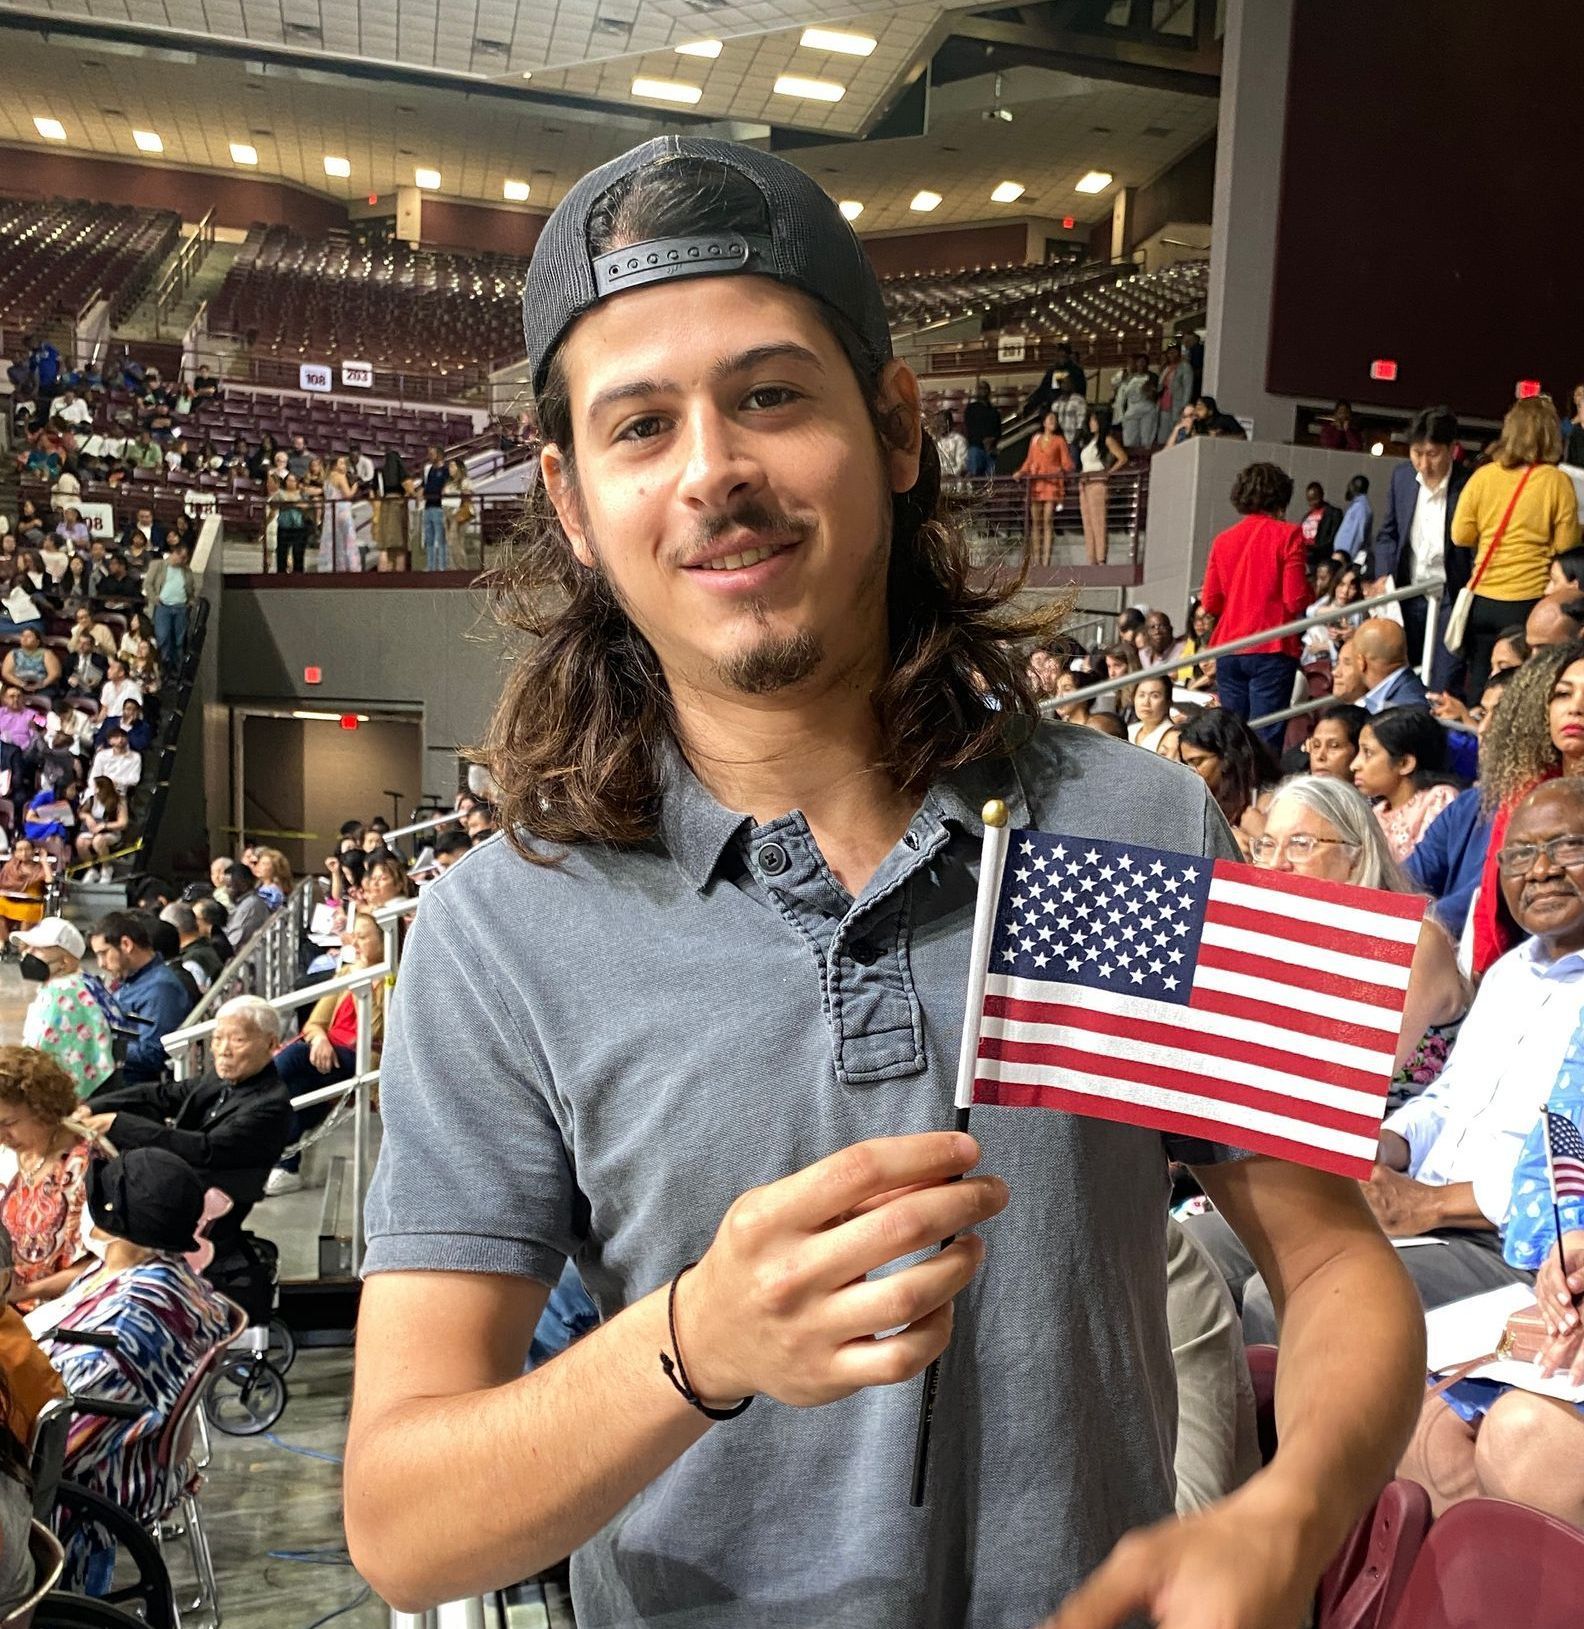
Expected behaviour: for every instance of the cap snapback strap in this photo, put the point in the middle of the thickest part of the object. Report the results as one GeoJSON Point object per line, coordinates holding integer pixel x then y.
{"type": "Point", "coordinates": [662, 258]}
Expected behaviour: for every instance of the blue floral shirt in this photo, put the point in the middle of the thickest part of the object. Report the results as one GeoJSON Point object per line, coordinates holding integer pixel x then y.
{"type": "Point", "coordinates": [1529, 1230]}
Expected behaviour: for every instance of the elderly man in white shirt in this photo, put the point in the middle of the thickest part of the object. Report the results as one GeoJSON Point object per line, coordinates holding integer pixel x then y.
{"type": "Point", "coordinates": [1445, 1168]}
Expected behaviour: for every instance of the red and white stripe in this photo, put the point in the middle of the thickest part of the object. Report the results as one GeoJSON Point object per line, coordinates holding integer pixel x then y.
{"type": "Point", "coordinates": [1286, 1046]}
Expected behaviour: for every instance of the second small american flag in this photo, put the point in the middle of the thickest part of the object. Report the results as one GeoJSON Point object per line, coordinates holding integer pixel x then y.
{"type": "Point", "coordinates": [1257, 1008]}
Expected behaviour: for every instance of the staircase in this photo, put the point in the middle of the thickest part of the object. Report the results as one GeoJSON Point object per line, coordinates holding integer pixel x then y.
{"type": "Point", "coordinates": [146, 322]}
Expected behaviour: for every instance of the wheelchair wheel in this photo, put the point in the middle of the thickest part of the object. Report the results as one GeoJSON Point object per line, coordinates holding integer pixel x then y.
{"type": "Point", "coordinates": [282, 1350]}
{"type": "Point", "coordinates": [57, 1611]}
{"type": "Point", "coordinates": [246, 1396]}
{"type": "Point", "coordinates": [142, 1579]}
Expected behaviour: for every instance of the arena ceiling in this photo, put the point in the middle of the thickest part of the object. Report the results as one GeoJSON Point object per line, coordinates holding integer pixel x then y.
{"type": "Point", "coordinates": [488, 92]}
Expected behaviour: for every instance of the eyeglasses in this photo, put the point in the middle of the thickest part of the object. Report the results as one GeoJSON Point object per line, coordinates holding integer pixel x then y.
{"type": "Point", "coordinates": [1300, 846]}
{"type": "Point", "coordinates": [1517, 859]}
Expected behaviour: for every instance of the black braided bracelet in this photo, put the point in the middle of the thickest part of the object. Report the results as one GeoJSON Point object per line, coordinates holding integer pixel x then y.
{"type": "Point", "coordinates": [676, 1371]}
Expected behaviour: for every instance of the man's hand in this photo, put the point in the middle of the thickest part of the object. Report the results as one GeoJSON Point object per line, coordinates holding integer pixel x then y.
{"type": "Point", "coordinates": [1238, 1565]}
{"type": "Point", "coordinates": [781, 1302]}
{"type": "Point", "coordinates": [1403, 1207]}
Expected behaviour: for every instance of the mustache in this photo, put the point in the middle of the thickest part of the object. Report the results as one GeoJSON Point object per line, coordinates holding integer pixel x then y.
{"type": "Point", "coordinates": [766, 520]}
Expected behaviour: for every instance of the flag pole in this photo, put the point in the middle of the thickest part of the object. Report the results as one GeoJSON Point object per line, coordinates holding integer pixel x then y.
{"type": "Point", "coordinates": [992, 860]}
{"type": "Point", "coordinates": [1556, 1205]}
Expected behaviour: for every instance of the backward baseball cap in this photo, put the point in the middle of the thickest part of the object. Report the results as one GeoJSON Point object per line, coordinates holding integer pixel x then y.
{"type": "Point", "coordinates": [810, 246]}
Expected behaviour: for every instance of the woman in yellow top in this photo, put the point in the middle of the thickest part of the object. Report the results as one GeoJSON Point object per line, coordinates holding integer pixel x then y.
{"type": "Point", "coordinates": [1544, 522]}
{"type": "Point", "coordinates": [1049, 459]}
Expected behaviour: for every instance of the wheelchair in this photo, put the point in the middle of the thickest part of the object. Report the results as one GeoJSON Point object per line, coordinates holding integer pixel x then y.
{"type": "Point", "coordinates": [141, 1592]}
{"type": "Point", "coordinates": [247, 1393]}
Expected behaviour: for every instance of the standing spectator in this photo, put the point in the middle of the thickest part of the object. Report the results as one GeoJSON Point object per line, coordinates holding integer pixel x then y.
{"type": "Point", "coordinates": [1048, 460]}
{"type": "Point", "coordinates": [1358, 520]}
{"type": "Point", "coordinates": [1072, 411]}
{"type": "Point", "coordinates": [360, 465]}
{"type": "Point", "coordinates": [145, 989]}
{"type": "Point", "coordinates": [392, 487]}
{"type": "Point", "coordinates": [1338, 433]}
{"type": "Point", "coordinates": [1320, 524]}
{"type": "Point", "coordinates": [1414, 542]}
{"type": "Point", "coordinates": [171, 591]}
{"type": "Point", "coordinates": [1573, 432]}
{"type": "Point", "coordinates": [299, 458]}
{"type": "Point", "coordinates": [1128, 385]}
{"type": "Point", "coordinates": [982, 427]}
{"type": "Point", "coordinates": [1256, 579]}
{"type": "Point", "coordinates": [432, 483]}
{"type": "Point", "coordinates": [1516, 512]}
{"type": "Point", "coordinates": [951, 446]}
{"type": "Point", "coordinates": [338, 543]}
{"type": "Point", "coordinates": [65, 1019]}
{"type": "Point", "coordinates": [1100, 457]}
{"type": "Point", "coordinates": [289, 505]}
{"type": "Point", "coordinates": [1141, 423]}
{"type": "Point", "coordinates": [458, 501]}
{"type": "Point", "coordinates": [1177, 390]}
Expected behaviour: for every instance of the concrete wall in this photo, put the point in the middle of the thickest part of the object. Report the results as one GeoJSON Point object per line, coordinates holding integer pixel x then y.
{"type": "Point", "coordinates": [433, 649]}
{"type": "Point", "coordinates": [1190, 501]}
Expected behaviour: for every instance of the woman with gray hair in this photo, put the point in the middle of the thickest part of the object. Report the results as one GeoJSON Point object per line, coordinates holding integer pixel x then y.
{"type": "Point", "coordinates": [1318, 826]}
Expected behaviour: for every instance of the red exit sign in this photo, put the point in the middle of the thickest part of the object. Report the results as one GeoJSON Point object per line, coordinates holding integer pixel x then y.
{"type": "Point", "coordinates": [1528, 387]}
{"type": "Point", "coordinates": [312, 675]}
{"type": "Point", "coordinates": [1383, 368]}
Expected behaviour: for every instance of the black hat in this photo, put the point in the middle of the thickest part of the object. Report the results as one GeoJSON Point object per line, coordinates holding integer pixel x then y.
{"type": "Point", "coordinates": [810, 246]}
{"type": "Point", "coordinates": [147, 1196]}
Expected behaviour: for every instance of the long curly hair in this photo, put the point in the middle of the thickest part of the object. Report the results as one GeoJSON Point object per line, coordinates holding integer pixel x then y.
{"type": "Point", "coordinates": [579, 739]}
{"type": "Point", "coordinates": [1517, 749]}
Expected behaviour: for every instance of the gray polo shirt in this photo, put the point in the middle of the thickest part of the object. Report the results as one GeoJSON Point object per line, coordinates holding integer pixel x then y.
{"type": "Point", "coordinates": [596, 1059]}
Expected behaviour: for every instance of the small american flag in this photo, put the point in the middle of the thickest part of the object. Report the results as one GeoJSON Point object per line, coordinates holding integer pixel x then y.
{"type": "Point", "coordinates": [1195, 996]}
{"type": "Point", "coordinates": [1567, 1157]}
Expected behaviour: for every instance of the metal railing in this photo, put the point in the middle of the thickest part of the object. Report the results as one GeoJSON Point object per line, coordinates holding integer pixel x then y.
{"type": "Point", "coordinates": [1429, 589]}
{"type": "Point", "coordinates": [266, 965]}
{"type": "Point", "coordinates": [478, 532]}
{"type": "Point", "coordinates": [996, 511]}
{"type": "Point", "coordinates": [183, 269]}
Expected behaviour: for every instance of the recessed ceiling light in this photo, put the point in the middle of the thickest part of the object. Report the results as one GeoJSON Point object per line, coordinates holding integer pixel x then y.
{"type": "Point", "coordinates": [1008, 192]}
{"type": "Point", "coordinates": [429, 180]}
{"type": "Point", "coordinates": [700, 48]}
{"type": "Point", "coordinates": [147, 141]}
{"type": "Point", "coordinates": [837, 39]}
{"type": "Point", "coordinates": [1095, 181]}
{"type": "Point", "coordinates": [242, 153]}
{"type": "Point", "coordinates": [813, 90]}
{"type": "Point", "coordinates": [925, 201]}
{"type": "Point", "coordinates": [516, 192]}
{"type": "Point", "coordinates": [851, 209]}
{"type": "Point", "coordinates": [666, 90]}
{"type": "Point", "coordinates": [338, 166]}
{"type": "Point", "coordinates": [50, 129]}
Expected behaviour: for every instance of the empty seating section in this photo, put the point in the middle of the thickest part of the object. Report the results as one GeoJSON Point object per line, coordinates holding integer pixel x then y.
{"type": "Point", "coordinates": [289, 296]}
{"type": "Point", "coordinates": [920, 298]}
{"type": "Point", "coordinates": [56, 257]}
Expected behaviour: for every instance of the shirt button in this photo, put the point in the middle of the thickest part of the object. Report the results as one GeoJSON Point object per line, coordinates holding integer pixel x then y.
{"type": "Point", "coordinates": [773, 859]}
{"type": "Point", "coordinates": [911, 838]}
{"type": "Point", "coordinates": [863, 951]}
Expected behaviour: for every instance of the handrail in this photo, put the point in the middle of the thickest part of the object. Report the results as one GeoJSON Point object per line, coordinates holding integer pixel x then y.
{"type": "Point", "coordinates": [189, 1034]}
{"type": "Point", "coordinates": [1162, 670]}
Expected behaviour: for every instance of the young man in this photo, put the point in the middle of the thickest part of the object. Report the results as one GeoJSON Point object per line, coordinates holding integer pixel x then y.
{"type": "Point", "coordinates": [735, 1041]}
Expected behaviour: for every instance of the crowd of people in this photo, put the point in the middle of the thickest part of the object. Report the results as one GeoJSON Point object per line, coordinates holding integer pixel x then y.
{"type": "Point", "coordinates": [125, 1192]}
{"type": "Point", "coordinates": [70, 432]}
{"type": "Point", "coordinates": [1331, 757]}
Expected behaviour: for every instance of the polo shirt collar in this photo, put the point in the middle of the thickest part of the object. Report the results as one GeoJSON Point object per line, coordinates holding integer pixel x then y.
{"type": "Point", "coordinates": [1563, 967]}
{"type": "Point", "coordinates": [696, 829]}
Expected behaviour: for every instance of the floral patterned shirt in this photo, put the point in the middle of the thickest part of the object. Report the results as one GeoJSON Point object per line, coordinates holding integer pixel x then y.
{"type": "Point", "coordinates": [65, 1021]}
{"type": "Point", "coordinates": [43, 1215]}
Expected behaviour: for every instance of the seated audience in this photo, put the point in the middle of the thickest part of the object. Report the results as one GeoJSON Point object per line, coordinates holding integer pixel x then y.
{"type": "Point", "coordinates": [230, 1125]}
{"type": "Point", "coordinates": [212, 916]}
{"type": "Point", "coordinates": [1333, 743]}
{"type": "Point", "coordinates": [145, 990]}
{"type": "Point", "coordinates": [25, 1372]}
{"type": "Point", "coordinates": [64, 1019]}
{"type": "Point", "coordinates": [196, 952]}
{"type": "Point", "coordinates": [1556, 619]}
{"type": "Point", "coordinates": [248, 910]}
{"type": "Point", "coordinates": [1381, 650]}
{"type": "Point", "coordinates": [385, 879]}
{"type": "Point", "coordinates": [23, 878]}
{"type": "Point", "coordinates": [41, 1206]}
{"type": "Point", "coordinates": [1236, 766]}
{"type": "Point", "coordinates": [1400, 767]}
{"type": "Point", "coordinates": [1152, 727]}
{"type": "Point", "coordinates": [31, 666]}
{"type": "Point", "coordinates": [86, 674]}
{"type": "Point", "coordinates": [119, 686]}
{"type": "Point", "coordinates": [449, 847]}
{"type": "Point", "coordinates": [116, 762]}
{"type": "Point", "coordinates": [144, 1208]}
{"type": "Point", "coordinates": [326, 1051]}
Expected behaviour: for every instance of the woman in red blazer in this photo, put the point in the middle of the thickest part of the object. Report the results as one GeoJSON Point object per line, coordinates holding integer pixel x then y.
{"type": "Point", "coordinates": [1256, 579]}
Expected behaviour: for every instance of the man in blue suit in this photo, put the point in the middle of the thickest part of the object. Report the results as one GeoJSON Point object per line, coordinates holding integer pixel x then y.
{"type": "Point", "coordinates": [1414, 540]}
{"type": "Point", "coordinates": [1382, 655]}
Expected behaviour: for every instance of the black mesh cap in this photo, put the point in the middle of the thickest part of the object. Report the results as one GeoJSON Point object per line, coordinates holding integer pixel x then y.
{"type": "Point", "coordinates": [810, 246]}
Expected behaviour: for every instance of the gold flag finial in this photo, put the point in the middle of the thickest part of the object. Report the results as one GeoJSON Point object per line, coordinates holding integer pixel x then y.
{"type": "Point", "coordinates": [994, 813]}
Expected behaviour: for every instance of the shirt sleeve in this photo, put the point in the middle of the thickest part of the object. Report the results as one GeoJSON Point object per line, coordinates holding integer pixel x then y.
{"type": "Point", "coordinates": [474, 1174]}
{"type": "Point", "coordinates": [1419, 1121]}
{"type": "Point", "coordinates": [1465, 521]}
